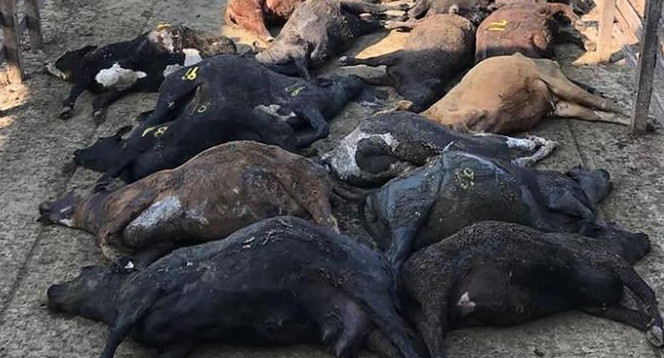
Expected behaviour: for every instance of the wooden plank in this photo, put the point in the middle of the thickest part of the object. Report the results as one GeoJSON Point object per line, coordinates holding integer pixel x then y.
{"type": "Point", "coordinates": [22, 26]}
{"type": "Point", "coordinates": [607, 16]}
{"type": "Point", "coordinates": [33, 22]}
{"type": "Point", "coordinates": [647, 64]}
{"type": "Point", "coordinates": [628, 36]}
{"type": "Point", "coordinates": [12, 40]}
{"type": "Point", "coordinates": [632, 18]}
{"type": "Point", "coordinates": [630, 55]}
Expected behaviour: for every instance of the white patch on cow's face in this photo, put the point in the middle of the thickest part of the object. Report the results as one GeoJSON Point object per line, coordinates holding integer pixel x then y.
{"type": "Point", "coordinates": [158, 213]}
{"type": "Point", "coordinates": [342, 158]}
{"type": "Point", "coordinates": [171, 69]}
{"type": "Point", "coordinates": [163, 38]}
{"type": "Point", "coordinates": [191, 56]}
{"type": "Point", "coordinates": [118, 78]}
{"type": "Point", "coordinates": [273, 110]}
{"type": "Point", "coordinates": [465, 305]}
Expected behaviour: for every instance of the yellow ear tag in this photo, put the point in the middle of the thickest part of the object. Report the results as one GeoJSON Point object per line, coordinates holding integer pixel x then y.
{"type": "Point", "coordinates": [163, 26]}
{"type": "Point", "coordinates": [191, 74]}
{"type": "Point", "coordinates": [497, 26]}
{"type": "Point", "coordinates": [294, 90]}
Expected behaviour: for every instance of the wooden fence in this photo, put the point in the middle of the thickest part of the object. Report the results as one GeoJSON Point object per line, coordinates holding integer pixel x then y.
{"type": "Point", "coordinates": [13, 29]}
{"type": "Point", "coordinates": [638, 25]}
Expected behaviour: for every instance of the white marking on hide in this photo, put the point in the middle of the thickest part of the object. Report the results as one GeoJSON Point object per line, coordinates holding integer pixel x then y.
{"type": "Point", "coordinates": [157, 213]}
{"type": "Point", "coordinates": [273, 110]}
{"type": "Point", "coordinates": [171, 68]}
{"type": "Point", "coordinates": [118, 77]}
{"type": "Point", "coordinates": [66, 222]}
{"type": "Point", "coordinates": [191, 56]}
{"type": "Point", "coordinates": [197, 214]}
{"type": "Point", "coordinates": [129, 265]}
{"type": "Point", "coordinates": [465, 304]}
{"type": "Point", "coordinates": [163, 39]}
{"type": "Point", "coordinates": [342, 158]}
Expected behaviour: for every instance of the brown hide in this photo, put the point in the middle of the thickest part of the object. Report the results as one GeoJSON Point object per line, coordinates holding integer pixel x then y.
{"type": "Point", "coordinates": [527, 28]}
{"type": "Point", "coordinates": [508, 94]}
{"type": "Point", "coordinates": [253, 15]}
{"type": "Point", "coordinates": [215, 193]}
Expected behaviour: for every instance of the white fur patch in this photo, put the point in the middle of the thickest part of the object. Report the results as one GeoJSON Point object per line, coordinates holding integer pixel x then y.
{"type": "Point", "coordinates": [118, 77]}
{"type": "Point", "coordinates": [158, 213]}
{"type": "Point", "coordinates": [342, 158]}
{"type": "Point", "coordinates": [465, 304]}
{"type": "Point", "coordinates": [171, 68]}
{"type": "Point", "coordinates": [197, 214]}
{"type": "Point", "coordinates": [273, 110]}
{"type": "Point", "coordinates": [191, 56]}
{"type": "Point", "coordinates": [66, 222]}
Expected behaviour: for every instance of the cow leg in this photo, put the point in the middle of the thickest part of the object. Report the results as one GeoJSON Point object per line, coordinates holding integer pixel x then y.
{"type": "Point", "coordinates": [574, 110]}
{"type": "Point", "coordinates": [545, 148]}
{"type": "Point", "coordinates": [255, 24]}
{"type": "Point", "coordinates": [68, 103]}
{"type": "Point", "coordinates": [382, 60]}
{"type": "Point", "coordinates": [563, 88]}
{"type": "Point", "coordinates": [316, 121]}
{"type": "Point", "coordinates": [646, 295]}
{"type": "Point", "coordinates": [359, 7]}
{"type": "Point", "coordinates": [101, 103]}
{"type": "Point", "coordinates": [406, 25]}
{"type": "Point", "coordinates": [621, 314]}
{"type": "Point", "coordinates": [433, 327]}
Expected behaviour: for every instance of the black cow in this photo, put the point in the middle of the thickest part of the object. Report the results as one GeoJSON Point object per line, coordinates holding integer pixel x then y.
{"type": "Point", "coordinates": [319, 30]}
{"type": "Point", "coordinates": [137, 65]}
{"type": "Point", "coordinates": [197, 96]}
{"type": "Point", "coordinates": [280, 280]}
{"type": "Point", "coordinates": [458, 188]}
{"type": "Point", "coordinates": [502, 274]}
{"type": "Point", "coordinates": [386, 145]}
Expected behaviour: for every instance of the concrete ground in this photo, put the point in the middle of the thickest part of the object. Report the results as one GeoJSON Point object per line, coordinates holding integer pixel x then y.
{"type": "Point", "coordinates": [35, 145]}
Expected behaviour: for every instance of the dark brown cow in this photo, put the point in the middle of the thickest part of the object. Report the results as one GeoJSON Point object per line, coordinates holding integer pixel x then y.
{"type": "Point", "coordinates": [530, 28]}
{"type": "Point", "coordinates": [217, 192]}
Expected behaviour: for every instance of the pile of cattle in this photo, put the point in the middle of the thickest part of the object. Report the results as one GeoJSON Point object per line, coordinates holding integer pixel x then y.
{"type": "Point", "coordinates": [217, 227]}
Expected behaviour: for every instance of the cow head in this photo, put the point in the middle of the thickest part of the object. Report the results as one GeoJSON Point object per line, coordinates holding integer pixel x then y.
{"type": "Point", "coordinates": [65, 66]}
{"type": "Point", "coordinates": [72, 209]}
{"type": "Point", "coordinates": [630, 246]}
{"type": "Point", "coordinates": [167, 37]}
{"type": "Point", "coordinates": [90, 295]}
{"type": "Point", "coordinates": [104, 153]}
{"type": "Point", "coordinates": [344, 89]}
{"type": "Point", "coordinates": [596, 184]}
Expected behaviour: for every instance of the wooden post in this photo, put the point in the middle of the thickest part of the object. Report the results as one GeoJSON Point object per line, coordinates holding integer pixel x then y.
{"type": "Point", "coordinates": [647, 63]}
{"type": "Point", "coordinates": [607, 16]}
{"type": "Point", "coordinates": [12, 39]}
{"type": "Point", "coordinates": [33, 20]}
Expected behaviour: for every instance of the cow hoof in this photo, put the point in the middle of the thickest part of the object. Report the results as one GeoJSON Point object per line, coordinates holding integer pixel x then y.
{"type": "Point", "coordinates": [655, 336]}
{"type": "Point", "coordinates": [66, 112]}
{"type": "Point", "coordinates": [590, 46]}
{"type": "Point", "coordinates": [98, 117]}
{"type": "Point", "coordinates": [403, 7]}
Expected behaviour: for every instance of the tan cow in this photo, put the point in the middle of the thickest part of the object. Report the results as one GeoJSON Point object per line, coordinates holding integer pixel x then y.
{"type": "Point", "coordinates": [508, 94]}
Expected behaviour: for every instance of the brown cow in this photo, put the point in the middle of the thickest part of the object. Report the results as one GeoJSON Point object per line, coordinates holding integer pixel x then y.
{"type": "Point", "coordinates": [223, 189]}
{"type": "Point", "coordinates": [252, 15]}
{"type": "Point", "coordinates": [508, 94]}
{"type": "Point", "coordinates": [530, 28]}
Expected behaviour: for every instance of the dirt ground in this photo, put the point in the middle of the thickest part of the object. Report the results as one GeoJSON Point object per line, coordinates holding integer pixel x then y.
{"type": "Point", "coordinates": [35, 146]}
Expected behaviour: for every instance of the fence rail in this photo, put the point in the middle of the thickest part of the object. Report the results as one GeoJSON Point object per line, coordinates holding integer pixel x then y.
{"type": "Point", "coordinates": [638, 22]}
{"type": "Point", "coordinates": [13, 30]}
